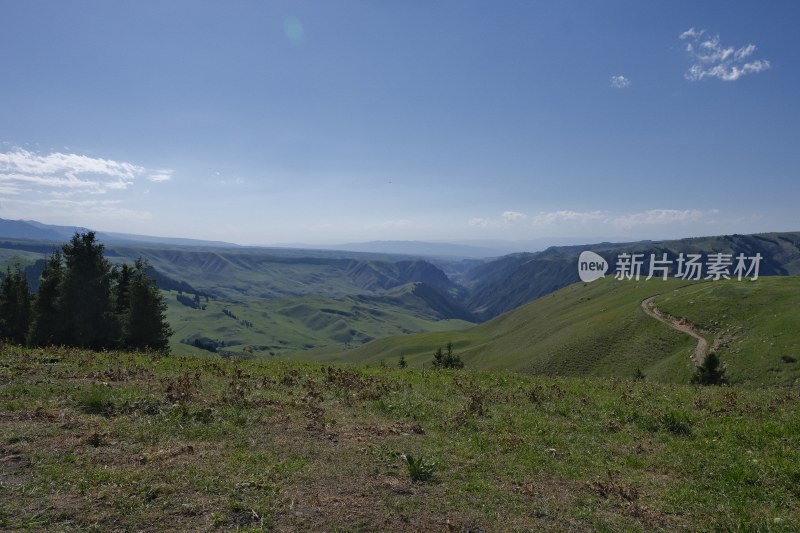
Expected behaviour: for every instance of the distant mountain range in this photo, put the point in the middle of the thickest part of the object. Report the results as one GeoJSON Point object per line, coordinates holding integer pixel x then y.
{"type": "Point", "coordinates": [443, 275]}
{"type": "Point", "coordinates": [416, 248]}
{"type": "Point", "coordinates": [473, 249]}
{"type": "Point", "coordinates": [32, 230]}
{"type": "Point", "coordinates": [508, 282]}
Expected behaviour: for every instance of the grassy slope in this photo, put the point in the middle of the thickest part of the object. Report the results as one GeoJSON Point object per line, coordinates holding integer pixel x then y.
{"type": "Point", "coordinates": [11, 258]}
{"type": "Point", "coordinates": [284, 326]}
{"type": "Point", "coordinates": [594, 329]}
{"type": "Point", "coordinates": [599, 329]}
{"type": "Point", "coordinates": [126, 442]}
{"type": "Point", "coordinates": [756, 324]}
{"type": "Point", "coordinates": [287, 296]}
{"type": "Point", "coordinates": [510, 281]}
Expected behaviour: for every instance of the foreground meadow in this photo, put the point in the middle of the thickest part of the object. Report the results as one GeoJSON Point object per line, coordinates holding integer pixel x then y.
{"type": "Point", "coordinates": [129, 441]}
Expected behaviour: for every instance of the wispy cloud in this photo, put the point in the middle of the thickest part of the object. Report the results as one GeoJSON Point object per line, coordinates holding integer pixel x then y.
{"type": "Point", "coordinates": [160, 175]}
{"type": "Point", "coordinates": [8, 188]}
{"type": "Point", "coordinates": [513, 216]}
{"type": "Point", "coordinates": [620, 82]}
{"type": "Point", "coordinates": [480, 222]}
{"type": "Point", "coordinates": [602, 218]}
{"type": "Point", "coordinates": [656, 217]}
{"type": "Point", "coordinates": [507, 218]}
{"type": "Point", "coordinates": [22, 170]}
{"type": "Point", "coordinates": [713, 60]}
{"type": "Point", "coordinates": [554, 217]}
{"type": "Point", "coordinates": [236, 181]}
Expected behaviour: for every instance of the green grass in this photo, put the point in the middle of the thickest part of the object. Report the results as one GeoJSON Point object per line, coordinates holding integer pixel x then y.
{"type": "Point", "coordinates": [284, 326]}
{"type": "Point", "coordinates": [120, 441]}
{"type": "Point", "coordinates": [584, 329]}
{"type": "Point", "coordinates": [754, 324]}
{"type": "Point", "coordinates": [10, 258]}
{"type": "Point", "coordinates": [599, 329]}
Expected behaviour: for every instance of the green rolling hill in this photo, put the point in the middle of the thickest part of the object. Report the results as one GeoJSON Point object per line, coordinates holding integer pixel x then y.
{"type": "Point", "coordinates": [288, 326]}
{"type": "Point", "coordinates": [329, 304]}
{"type": "Point", "coordinates": [600, 329]}
{"type": "Point", "coordinates": [283, 300]}
{"type": "Point", "coordinates": [506, 283]}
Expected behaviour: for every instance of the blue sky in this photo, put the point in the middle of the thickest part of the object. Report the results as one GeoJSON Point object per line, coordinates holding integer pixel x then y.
{"type": "Point", "coordinates": [324, 122]}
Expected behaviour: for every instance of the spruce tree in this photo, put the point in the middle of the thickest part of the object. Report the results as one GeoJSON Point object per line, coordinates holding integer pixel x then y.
{"type": "Point", "coordinates": [447, 360]}
{"type": "Point", "coordinates": [47, 328]}
{"type": "Point", "coordinates": [711, 372]}
{"type": "Point", "coordinates": [122, 279]}
{"type": "Point", "coordinates": [15, 306]}
{"type": "Point", "coordinates": [144, 323]}
{"type": "Point", "coordinates": [86, 307]}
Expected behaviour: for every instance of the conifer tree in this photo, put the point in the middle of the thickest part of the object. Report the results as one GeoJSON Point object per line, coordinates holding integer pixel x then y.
{"type": "Point", "coordinates": [85, 307]}
{"type": "Point", "coordinates": [47, 328]}
{"type": "Point", "coordinates": [447, 360]}
{"type": "Point", "coordinates": [144, 323]}
{"type": "Point", "coordinates": [711, 372]}
{"type": "Point", "coordinates": [122, 279]}
{"type": "Point", "coordinates": [15, 306]}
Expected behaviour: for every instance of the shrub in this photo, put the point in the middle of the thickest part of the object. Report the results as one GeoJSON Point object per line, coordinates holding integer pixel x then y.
{"type": "Point", "coordinates": [447, 360]}
{"type": "Point", "coordinates": [676, 423]}
{"type": "Point", "coordinates": [711, 372]}
{"type": "Point", "coordinates": [419, 469]}
{"type": "Point", "coordinates": [96, 400]}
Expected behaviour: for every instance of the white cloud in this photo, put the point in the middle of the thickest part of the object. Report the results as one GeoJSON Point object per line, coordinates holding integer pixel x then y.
{"type": "Point", "coordinates": [160, 175]}
{"type": "Point", "coordinates": [26, 171]}
{"type": "Point", "coordinates": [6, 188]}
{"type": "Point", "coordinates": [595, 218]}
{"type": "Point", "coordinates": [480, 222]}
{"type": "Point", "coordinates": [554, 217]}
{"type": "Point", "coordinates": [713, 60]}
{"type": "Point", "coordinates": [513, 216]}
{"type": "Point", "coordinates": [231, 181]}
{"type": "Point", "coordinates": [620, 82]}
{"type": "Point", "coordinates": [70, 164]}
{"type": "Point", "coordinates": [692, 33]}
{"type": "Point", "coordinates": [745, 51]}
{"type": "Point", "coordinates": [656, 217]}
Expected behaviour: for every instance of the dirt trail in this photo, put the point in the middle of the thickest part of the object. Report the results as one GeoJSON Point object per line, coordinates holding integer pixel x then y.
{"type": "Point", "coordinates": [680, 325]}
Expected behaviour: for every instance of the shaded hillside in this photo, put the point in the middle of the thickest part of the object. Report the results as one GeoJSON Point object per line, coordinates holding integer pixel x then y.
{"type": "Point", "coordinates": [600, 329]}
{"type": "Point", "coordinates": [375, 275]}
{"type": "Point", "coordinates": [237, 274]}
{"type": "Point", "coordinates": [426, 299]}
{"type": "Point", "coordinates": [508, 282]}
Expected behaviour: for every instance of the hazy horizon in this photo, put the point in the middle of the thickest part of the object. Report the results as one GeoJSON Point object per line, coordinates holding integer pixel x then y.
{"type": "Point", "coordinates": [466, 248]}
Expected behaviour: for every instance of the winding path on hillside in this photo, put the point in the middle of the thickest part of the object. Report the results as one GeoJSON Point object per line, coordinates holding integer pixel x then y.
{"type": "Point", "coordinates": [679, 324]}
